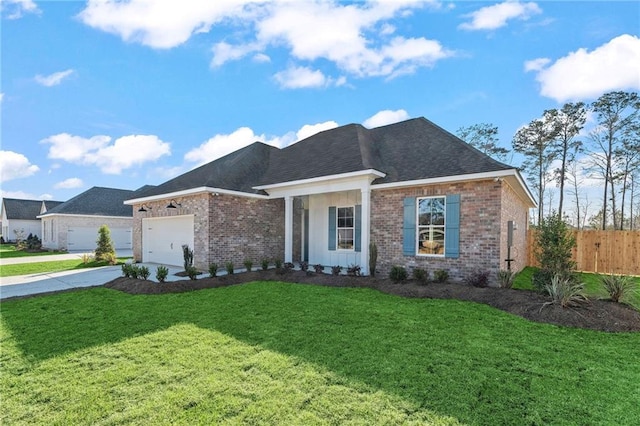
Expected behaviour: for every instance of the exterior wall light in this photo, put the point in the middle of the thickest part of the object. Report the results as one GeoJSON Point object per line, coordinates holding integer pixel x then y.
{"type": "Point", "coordinates": [173, 204]}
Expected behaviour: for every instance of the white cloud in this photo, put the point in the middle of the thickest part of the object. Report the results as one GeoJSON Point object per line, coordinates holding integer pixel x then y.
{"type": "Point", "coordinates": [355, 37]}
{"type": "Point", "coordinates": [1, 97]}
{"type": "Point", "coordinates": [160, 24]}
{"type": "Point", "coordinates": [261, 58]}
{"type": "Point", "coordinates": [22, 195]}
{"type": "Point", "coordinates": [17, 8]}
{"type": "Point", "coordinates": [304, 77]}
{"type": "Point", "coordinates": [223, 144]}
{"type": "Point", "coordinates": [584, 75]}
{"type": "Point", "coordinates": [536, 64]}
{"type": "Point", "coordinates": [111, 158]}
{"type": "Point", "coordinates": [14, 166]}
{"type": "Point", "coordinates": [53, 79]}
{"type": "Point", "coordinates": [69, 184]}
{"type": "Point", "coordinates": [385, 117]}
{"type": "Point", "coordinates": [497, 15]}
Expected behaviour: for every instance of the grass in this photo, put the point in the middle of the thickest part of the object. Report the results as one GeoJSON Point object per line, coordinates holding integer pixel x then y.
{"type": "Point", "coordinates": [592, 284]}
{"type": "Point", "coordinates": [50, 266]}
{"type": "Point", "coordinates": [9, 251]}
{"type": "Point", "coordinates": [277, 353]}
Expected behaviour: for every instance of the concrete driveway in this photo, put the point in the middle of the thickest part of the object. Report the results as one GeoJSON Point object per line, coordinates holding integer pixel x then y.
{"type": "Point", "coordinates": [24, 285]}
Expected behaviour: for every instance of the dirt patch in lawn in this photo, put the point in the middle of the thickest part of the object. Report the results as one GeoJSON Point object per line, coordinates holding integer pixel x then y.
{"type": "Point", "coordinates": [597, 315]}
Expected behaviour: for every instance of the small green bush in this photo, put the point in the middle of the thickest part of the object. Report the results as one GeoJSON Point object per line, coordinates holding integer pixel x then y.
{"type": "Point", "coordinates": [618, 287]}
{"type": "Point", "coordinates": [420, 275]}
{"type": "Point", "coordinates": [161, 273]}
{"type": "Point", "coordinates": [505, 278]}
{"type": "Point", "coordinates": [373, 258]}
{"type": "Point", "coordinates": [110, 258]}
{"type": "Point", "coordinates": [478, 279]}
{"type": "Point", "coordinates": [248, 265]}
{"type": "Point", "coordinates": [144, 273]}
{"type": "Point", "coordinates": [135, 271]}
{"type": "Point", "coordinates": [230, 268]}
{"type": "Point", "coordinates": [353, 270]}
{"type": "Point", "coordinates": [187, 256]}
{"type": "Point", "coordinates": [398, 274]}
{"type": "Point", "coordinates": [335, 270]}
{"type": "Point", "coordinates": [277, 263]}
{"type": "Point", "coordinates": [213, 270]}
{"type": "Point", "coordinates": [265, 264]}
{"type": "Point", "coordinates": [440, 275]}
{"type": "Point", "coordinates": [565, 292]}
{"type": "Point", "coordinates": [318, 268]}
{"type": "Point", "coordinates": [104, 244]}
{"type": "Point", "coordinates": [304, 266]}
{"type": "Point", "coordinates": [192, 272]}
{"type": "Point", "coordinates": [126, 270]}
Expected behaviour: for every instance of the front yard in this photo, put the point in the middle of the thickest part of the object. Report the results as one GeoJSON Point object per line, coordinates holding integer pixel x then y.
{"type": "Point", "coordinates": [278, 353]}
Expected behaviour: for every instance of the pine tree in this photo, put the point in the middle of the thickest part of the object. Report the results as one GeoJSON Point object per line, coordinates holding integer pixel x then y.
{"type": "Point", "coordinates": [105, 249]}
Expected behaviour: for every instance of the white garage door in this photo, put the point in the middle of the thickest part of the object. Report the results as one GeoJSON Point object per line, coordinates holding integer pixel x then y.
{"type": "Point", "coordinates": [84, 238]}
{"type": "Point", "coordinates": [163, 238]}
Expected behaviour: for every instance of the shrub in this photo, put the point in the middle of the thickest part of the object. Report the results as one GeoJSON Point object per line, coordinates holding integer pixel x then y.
{"type": "Point", "coordinates": [335, 270]}
{"type": "Point", "coordinates": [187, 256]}
{"type": "Point", "coordinates": [135, 271]}
{"type": "Point", "coordinates": [277, 263]}
{"type": "Point", "coordinates": [478, 279]}
{"type": "Point", "coordinates": [87, 257]}
{"type": "Point", "coordinates": [554, 245]}
{"type": "Point", "coordinates": [318, 268]}
{"type": "Point", "coordinates": [398, 274]}
{"type": "Point", "coordinates": [144, 273]}
{"type": "Point", "coordinates": [304, 266]}
{"type": "Point", "coordinates": [265, 264]}
{"type": "Point", "coordinates": [421, 275]}
{"type": "Point", "coordinates": [373, 258]}
{"type": "Point", "coordinates": [248, 265]}
{"type": "Point", "coordinates": [126, 270]}
{"type": "Point", "coordinates": [565, 292]}
{"type": "Point", "coordinates": [213, 270]}
{"type": "Point", "coordinates": [440, 275]}
{"type": "Point", "coordinates": [33, 242]}
{"type": "Point", "coordinates": [618, 287]}
{"type": "Point", "coordinates": [542, 278]}
{"type": "Point", "coordinates": [229, 267]}
{"type": "Point", "coordinates": [192, 272]}
{"type": "Point", "coordinates": [353, 270]}
{"type": "Point", "coordinates": [110, 258]}
{"type": "Point", "coordinates": [161, 273]}
{"type": "Point", "coordinates": [105, 244]}
{"type": "Point", "coordinates": [288, 266]}
{"type": "Point", "coordinates": [505, 278]}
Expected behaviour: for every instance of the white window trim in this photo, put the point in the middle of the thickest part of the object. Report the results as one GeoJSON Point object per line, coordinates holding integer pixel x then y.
{"type": "Point", "coordinates": [353, 228]}
{"type": "Point", "coordinates": [444, 227]}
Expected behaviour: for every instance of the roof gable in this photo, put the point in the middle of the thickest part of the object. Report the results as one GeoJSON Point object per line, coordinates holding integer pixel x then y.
{"type": "Point", "coordinates": [24, 209]}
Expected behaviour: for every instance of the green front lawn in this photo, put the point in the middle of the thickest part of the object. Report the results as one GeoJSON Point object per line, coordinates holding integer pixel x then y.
{"type": "Point", "coordinates": [277, 353]}
{"type": "Point", "coordinates": [592, 285]}
{"type": "Point", "coordinates": [50, 266]}
{"type": "Point", "coordinates": [9, 250]}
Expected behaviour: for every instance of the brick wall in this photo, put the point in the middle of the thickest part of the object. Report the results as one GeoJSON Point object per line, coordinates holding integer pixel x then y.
{"type": "Point", "coordinates": [61, 225]}
{"type": "Point", "coordinates": [226, 228]}
{"type": "Point", "coordinates": [480, 217]}
{"type": "Point", "coordinates": [515, 209]}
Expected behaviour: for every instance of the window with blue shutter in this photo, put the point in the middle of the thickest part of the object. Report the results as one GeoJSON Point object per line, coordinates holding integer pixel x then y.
{"type": "Point", "coordinates": [452, 227]}
{"type": "Point", "coordinates": [409, 227]}
{"type": "Point", "coordinates": [358, 228]}
{"type": "Point", "coordinates": [332, 227]}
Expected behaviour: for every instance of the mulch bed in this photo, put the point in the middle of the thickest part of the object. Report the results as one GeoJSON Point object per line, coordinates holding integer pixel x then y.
{"type": "Point", "coordinates": [597, 315]}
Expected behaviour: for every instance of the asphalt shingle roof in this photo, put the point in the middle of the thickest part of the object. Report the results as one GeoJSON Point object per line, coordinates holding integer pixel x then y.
{"type": "Point", "coordinates": [97, 201]}
{"type": "Point", "coordinates": [409, 150]}
{"type": "Point", "coordinates": [26, 209]}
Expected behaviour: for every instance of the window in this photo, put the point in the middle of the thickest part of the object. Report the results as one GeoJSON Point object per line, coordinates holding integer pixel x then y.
{"type": "Point", "coordinates": [345, 228]}
{"type": "Point", "coordinates": [431, 225]}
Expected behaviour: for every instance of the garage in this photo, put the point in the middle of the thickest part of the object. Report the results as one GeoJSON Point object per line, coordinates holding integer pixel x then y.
{"type": "Point", "coordinates": [84, 238]}
{"type": "Point", "coordinates": [163, 238]}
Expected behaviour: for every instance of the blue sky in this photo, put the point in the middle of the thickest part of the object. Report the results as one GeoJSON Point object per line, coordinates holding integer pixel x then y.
{"type": "Point", "coordinates": [123, 94]}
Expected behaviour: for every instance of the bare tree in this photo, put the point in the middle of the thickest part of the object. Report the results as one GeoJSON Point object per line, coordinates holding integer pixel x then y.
{"type": "Point", "coordinates": [535, 142]}
{"type": "Point", "coordinates": [484, 137]}
{"type": "Point", "coordinates": [571, 119]}
{"type": "Point", "coordinates": [616, 113]}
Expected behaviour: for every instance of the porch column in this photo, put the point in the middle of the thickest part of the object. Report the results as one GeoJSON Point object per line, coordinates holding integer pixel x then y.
{"type": "Point", "coordinates": [365, 223]}
{"type": "Point", "coordinates": [288, 228]}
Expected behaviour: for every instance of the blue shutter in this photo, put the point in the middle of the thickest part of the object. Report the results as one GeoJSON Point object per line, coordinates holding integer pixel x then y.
{"type": "Point", "coordinates": [357, 237]}
{"type": "Point", "coordinates": [452, 227]}
{"type": "Point", "coordinates": [409, 227]}
{"type": "Point", "coordinates": [332, 228]}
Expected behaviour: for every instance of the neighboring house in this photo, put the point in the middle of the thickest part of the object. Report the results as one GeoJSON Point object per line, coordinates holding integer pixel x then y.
{"type": "Point", "coordinates": [20, 217]}
{"type": "Point", "coordinates": [74, 225]}
{"type": "Point", "coordinates": [423, 196]}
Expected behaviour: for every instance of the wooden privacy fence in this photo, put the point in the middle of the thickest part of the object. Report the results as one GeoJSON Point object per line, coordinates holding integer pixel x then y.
{"type": "Point", "coordinates": [615, 252]}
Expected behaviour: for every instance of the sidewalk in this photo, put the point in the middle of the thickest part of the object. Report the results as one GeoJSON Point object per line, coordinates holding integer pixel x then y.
{"type": "Point", "coordinates": [56, 257]}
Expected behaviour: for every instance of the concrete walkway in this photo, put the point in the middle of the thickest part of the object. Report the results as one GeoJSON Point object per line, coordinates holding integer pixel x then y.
{"type": "Point", "coordinates": [56, 257]}
{"type": "Point", "coordinates": [24, 285]}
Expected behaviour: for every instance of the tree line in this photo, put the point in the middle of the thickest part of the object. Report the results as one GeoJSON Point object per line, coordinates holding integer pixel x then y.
{"type": "Point", "coordinates": [552, 144]}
